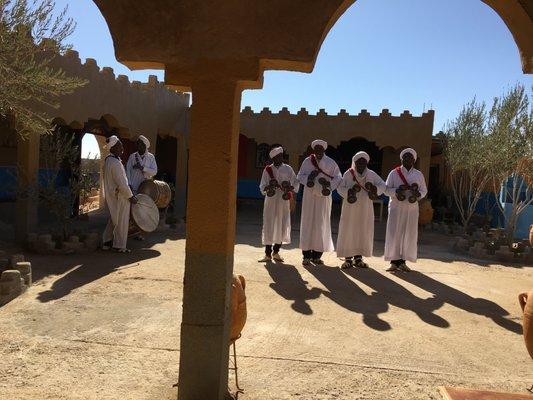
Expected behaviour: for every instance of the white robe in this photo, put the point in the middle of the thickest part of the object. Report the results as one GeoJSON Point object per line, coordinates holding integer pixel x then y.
{"type": "Point", "coordinates": [117, 194]}
{"type": "Point", "coordinates": [356, 227]}
{"type": "Point", "coordinates": [402, 224]}
{"type": "Point", "coordinates": [137, 176]}
{"type": "Point", "coordinates": [315, 227]}
{"type": "Point", "coordinates": [276, 211]}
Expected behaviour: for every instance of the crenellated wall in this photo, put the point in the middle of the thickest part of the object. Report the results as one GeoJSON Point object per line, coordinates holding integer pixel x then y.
{"type": "Point", "coordinates": [130, 107]}
{"type": "Point", "coordinates": [295, 132]}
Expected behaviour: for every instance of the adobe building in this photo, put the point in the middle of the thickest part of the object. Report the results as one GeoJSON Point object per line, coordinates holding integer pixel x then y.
{"type": "Point", "coordinates": [217, 52]}
{"type": "Point", "coordinates": [107, 105]}
{"type": "Point", "coordinates": [382, 136]}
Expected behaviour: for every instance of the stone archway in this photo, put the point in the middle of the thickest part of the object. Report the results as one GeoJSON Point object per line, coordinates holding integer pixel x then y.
{"type": "Point", "coordinates": [217, 52]}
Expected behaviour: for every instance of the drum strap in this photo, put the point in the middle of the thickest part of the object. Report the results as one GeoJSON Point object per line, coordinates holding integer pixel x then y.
{"type": "Point", "coordinates": [400, 174]}
{"type": "Point", "coordinates": [356, 181]}
{"type": "Point", "coordinates": [315, 164]}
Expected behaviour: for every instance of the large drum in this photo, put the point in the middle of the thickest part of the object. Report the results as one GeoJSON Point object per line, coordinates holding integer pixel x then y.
{"type": "Point", "coordinates": [159, 192]}
{"type": "Point", "coordinates": [238, 307]}
{"type": "Point", "coordinates": [144, 216]}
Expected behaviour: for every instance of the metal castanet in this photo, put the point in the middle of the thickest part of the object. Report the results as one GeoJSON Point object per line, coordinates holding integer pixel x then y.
{"type": "Point", "coordinates": [310, 183]}
{"type": "Point", "coordinates": [351, 199]}
{"type": "Point", "coordinates": [400, 195]}
{"type": "Point", "coordinates": [158, 191]}
{"type": "Point", "coordinates": [287, 189]}
{"type": "Point", "coordinates": [326, 191]}
{"type": "Point", "coordinates": [144, 215]}
{"type": "Point", "coordinates": [270, 191]}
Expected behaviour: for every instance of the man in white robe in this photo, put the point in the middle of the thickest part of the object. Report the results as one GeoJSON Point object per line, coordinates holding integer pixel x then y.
{"type": "Point", "coordinates": [320, 175]}
{"type": "Point", "coordinates": [276, 209]}
{"type": "Point", "coordinates": [356, 227]}
{"type": "Point", "coordinates": [118, 197]}
{"type": "Point", "coordinates": [402, 224]}
{"type": "Point", "coordinates": [141, 165]}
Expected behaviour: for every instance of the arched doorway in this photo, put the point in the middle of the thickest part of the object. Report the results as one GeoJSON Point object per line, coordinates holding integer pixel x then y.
{"type": "Point", "coordinates": [344, 153]}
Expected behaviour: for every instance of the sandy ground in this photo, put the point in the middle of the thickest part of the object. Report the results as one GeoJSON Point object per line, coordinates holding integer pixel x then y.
{"type": "Point", "coordinates": [106, 326]}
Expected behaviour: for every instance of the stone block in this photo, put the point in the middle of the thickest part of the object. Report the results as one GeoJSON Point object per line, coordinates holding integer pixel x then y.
{"type": "Point", "coordinates": [93, 236]}
{"type": "Point", "coordinates": [91, 245]}
{"type": "Point", "coordinates": [12, 281]}
{"type": "Point", "coordinates": [45, 238]}
{"type": "Point", "coordinates": [24, 267]}
{"type": "Point", "coordinates": [27, 279]}
{"type": "Point", "coordinates": [15, 258]}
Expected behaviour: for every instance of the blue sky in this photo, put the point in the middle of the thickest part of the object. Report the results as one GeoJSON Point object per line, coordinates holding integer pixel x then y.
{"type": "Point", "coordinates": [395, 54]}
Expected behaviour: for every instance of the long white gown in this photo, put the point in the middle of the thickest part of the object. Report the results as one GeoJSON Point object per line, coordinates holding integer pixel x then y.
{"type": "Point", "coordinates": [276, 211]}
{"type": "Point", "coordinates": [117, 194]}
{"type": "Point", "coordinates": [136, 176]}
{"type": "Point", "coordinates": [315, 226]}
{"type": "Point", "coordinates": [356, 227]}
{"type": "Point", "coordinates": [401, 240]}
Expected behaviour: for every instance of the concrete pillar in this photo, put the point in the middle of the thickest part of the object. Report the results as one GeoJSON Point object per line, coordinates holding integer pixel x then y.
{"type": "Point", "coordinates": [213, 158]}
{"type": "Point", "coordinates": [27, 175]}
{"type": "Point", "coordinates": [180, 197]}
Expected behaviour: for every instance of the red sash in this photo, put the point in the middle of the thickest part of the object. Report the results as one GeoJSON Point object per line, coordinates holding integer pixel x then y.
{"type": "Point", "coordinates": [402, 177]}
{"type": "Point", "coordinates": [356, 181]}
{"type": "Point", "coordinates": [315, 164]}
{"type": "Point", "coordinates": [270, 172]}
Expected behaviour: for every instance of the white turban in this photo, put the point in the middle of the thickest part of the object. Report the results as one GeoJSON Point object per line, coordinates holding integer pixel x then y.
{"type": "Point", "coordinates": [275, 151]}
{"type": "Point", "coordinates": [319, 142]}
{"type": "Point", "coordinates": [145, 141]}
{"type": "Point", "coordinates": [408, 150]}
{"type": "Point", "coordinates": [361, 154]}
{"type": "Point", "coordinates": [111, 141]}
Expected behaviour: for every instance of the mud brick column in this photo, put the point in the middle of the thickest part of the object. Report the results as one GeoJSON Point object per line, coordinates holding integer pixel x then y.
{"type": "Point", "coordinates": [180, 197]}
{"type": "Point", "coordinates": [211, 213]}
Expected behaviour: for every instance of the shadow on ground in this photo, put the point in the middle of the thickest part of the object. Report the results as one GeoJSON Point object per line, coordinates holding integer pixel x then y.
{"type": "Point", "coordinates": [89, 269]}
{"type": "Point", "coordinates": [447, 294]}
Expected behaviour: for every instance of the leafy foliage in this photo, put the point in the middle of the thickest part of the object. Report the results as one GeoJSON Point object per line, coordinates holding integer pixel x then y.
{"type": "Point", "coordinates": [31, 36]}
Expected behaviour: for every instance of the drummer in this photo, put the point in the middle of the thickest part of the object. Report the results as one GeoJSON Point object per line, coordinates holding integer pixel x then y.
{"type": "Point", "coordinates": [118, 197]}
{"type": "Point", "coordinates": [141, 164]}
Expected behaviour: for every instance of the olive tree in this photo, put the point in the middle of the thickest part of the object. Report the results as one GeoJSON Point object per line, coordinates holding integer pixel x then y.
{"type": "Point", "coordinates": [31, 36]}
{"type": "Point", "coordinates": [510, 155]}
{"type": "Point", "coordinates": [464, 151]}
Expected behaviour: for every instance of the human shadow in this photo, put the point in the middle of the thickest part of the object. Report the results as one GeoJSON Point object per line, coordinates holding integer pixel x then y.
{"type": "Point", "coordinates": [343, 291]}
{"type": "Point", "coordinates": [289, 284]}
{"type": "Point", "coordinates": [91, 268]}
{"type": "Point", "coordinates": [450, 295]}
{"type": "Point", "coordinates": [395, 294]}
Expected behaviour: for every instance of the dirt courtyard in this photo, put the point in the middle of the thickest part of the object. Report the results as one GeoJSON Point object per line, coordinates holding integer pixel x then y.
{"type": "Point", "coordinates": [106, 326]}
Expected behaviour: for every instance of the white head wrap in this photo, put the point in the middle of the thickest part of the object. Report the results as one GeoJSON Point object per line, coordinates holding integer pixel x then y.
{"type": "Point", "coordinates": [111, 141]}
{"type": "Point", "coordinates": [145, 140]}
{"type": "Point", "coordinates": [275, 151]}
{"type": "Point", "coordinates": [408, 150]}
{"type": "Point", "coordinates": [319, 142]}
{"type": "Point", "coordinates": [361, 154]}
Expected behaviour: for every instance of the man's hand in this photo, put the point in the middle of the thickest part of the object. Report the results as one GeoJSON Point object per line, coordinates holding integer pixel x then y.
{"type": "Point", "coordinates": [313, 174]}
{"type": "Point", "coordinates": [133, 200]}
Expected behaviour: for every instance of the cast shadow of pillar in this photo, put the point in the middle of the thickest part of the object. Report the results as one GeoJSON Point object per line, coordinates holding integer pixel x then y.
{"type": "Point", "coordinates": [289, 284]}
{"type": "Point", "coordinates": [452, 296]}
{"type": "Point", "coordinates": [395, 294]}
{"type": "Point", "coordinates": [344, 292]}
